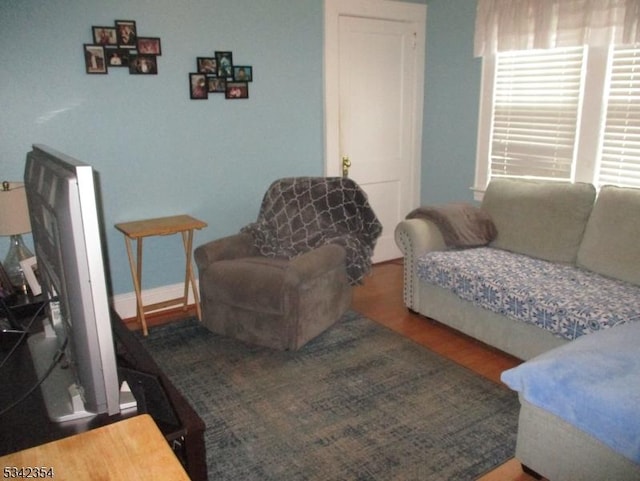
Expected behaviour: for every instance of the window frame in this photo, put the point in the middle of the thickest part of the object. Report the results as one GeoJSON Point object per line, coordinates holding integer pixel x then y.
{"type": "Point", "coordinates": [590, 124]}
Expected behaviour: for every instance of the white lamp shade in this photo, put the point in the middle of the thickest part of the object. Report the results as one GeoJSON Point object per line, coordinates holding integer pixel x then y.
{"type": "Point", "coordinates": [14, 213]}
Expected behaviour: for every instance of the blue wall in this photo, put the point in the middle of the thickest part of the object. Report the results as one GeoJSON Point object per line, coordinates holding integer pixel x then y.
{"type": "Point", "coordinates": [452, 93]}
{"type": "Point", "coordinates": [159, 153]}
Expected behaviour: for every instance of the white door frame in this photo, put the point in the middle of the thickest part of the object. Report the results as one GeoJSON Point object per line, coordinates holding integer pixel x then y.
{"type": "Point", "coordinates": [409, 12]}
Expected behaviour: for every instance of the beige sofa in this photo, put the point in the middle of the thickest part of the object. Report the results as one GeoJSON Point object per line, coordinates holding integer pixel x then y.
{"type": "Point", "coordinates": [551, 221]}
{"type": "Point", "coordinates": [561, 223]}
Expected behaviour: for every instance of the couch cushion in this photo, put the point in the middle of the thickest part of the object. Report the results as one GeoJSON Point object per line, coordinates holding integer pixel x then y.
{"type": "Point", "coordinates": [561, 298]}
{"type": "Point", "coordinates": [611, 244]}
{"type": "Point", "coordinates": [541, 219]}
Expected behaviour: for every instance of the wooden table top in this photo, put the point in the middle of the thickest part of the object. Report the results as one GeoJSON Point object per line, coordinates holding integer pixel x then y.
{"type": "Point", "coordinates": [160, 226]}
{"type": "Point", "coordinates": [133, 449]}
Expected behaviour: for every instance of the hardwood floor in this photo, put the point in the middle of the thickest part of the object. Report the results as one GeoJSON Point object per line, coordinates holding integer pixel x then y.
{"type": "Point", "coordinates": [380, 298]}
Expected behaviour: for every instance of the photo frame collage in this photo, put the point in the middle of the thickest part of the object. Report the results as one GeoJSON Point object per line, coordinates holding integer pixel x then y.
{"type": "Point", "coordinates": [219, 75]}
{"type": "Point", "coordinates": [120, 46]}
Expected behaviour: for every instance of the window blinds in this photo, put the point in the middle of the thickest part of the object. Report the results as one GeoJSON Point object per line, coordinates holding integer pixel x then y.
{"type": "Point", "coordinates": [620, 152]}
{"type": "Point", "coordinates": [535, 111]}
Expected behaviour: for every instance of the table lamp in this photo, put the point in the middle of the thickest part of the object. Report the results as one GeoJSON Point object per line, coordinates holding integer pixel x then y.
{"type": "Point", "coordinates": [14, 221]}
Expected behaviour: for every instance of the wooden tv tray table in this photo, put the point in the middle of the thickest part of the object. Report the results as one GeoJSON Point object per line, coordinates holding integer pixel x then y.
{"type": "Point", "coordinates": [138, 230]}
{"type": "Point", "coordinates": [127, 450]}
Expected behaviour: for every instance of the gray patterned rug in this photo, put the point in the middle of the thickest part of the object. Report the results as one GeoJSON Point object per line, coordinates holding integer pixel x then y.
{"type": "Point", "coordinates": [360, 402]}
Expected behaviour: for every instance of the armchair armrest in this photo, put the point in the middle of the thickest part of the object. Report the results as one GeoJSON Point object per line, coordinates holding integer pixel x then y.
{"type": "Point", "coordinates": [316, 262]}
{"type": "Point", "coordinates": [230, 247]}
{"type": "Point", "coordinates": [415, 237]}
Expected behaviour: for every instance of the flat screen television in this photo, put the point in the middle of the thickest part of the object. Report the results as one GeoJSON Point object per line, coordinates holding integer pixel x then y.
{"type": "Point", "coordinates": [66, 229]}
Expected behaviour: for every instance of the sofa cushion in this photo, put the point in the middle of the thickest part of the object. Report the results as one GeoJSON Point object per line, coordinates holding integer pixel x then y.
{"type": "Point", "coordinates": [561, 298]}
{"type": "Point", "coordinates": [541, 219]}
{"type": "Point", "coordinates": [611, 244]}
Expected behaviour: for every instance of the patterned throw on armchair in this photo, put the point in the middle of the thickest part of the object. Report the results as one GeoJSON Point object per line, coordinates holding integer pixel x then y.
{"type": "Point", "coordinates": [287, 277]}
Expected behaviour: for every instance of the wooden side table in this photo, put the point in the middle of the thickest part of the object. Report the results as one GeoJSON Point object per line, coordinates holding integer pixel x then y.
{"type": "Point", "coordinates": [126, 450]}
{"type": "Point", "coordinates": [138, 230]}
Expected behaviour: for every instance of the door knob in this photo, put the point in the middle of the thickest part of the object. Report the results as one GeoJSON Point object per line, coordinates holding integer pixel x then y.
{"type": "Point", "coordinates": [346, 163]}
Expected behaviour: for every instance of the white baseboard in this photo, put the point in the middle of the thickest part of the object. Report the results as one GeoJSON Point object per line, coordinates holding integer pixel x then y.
{"type": "Point", "coordinates": [125, 304]}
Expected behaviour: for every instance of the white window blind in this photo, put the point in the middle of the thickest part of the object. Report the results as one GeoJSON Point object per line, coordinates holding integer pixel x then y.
{"type": "Point", "coordinates": [536, 101]}
{"type": "Point", "coordinates": [620, 152]}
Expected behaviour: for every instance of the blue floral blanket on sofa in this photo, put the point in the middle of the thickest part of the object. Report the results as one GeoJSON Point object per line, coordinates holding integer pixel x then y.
{"type": "Point", "coordinates": [563, 299]}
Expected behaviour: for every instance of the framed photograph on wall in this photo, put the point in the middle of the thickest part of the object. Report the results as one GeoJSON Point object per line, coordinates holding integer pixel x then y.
{"type": "Point", "coordinates": [242, 73]}
{"type": "Point", "coordinates": [105, 36]}
{"type": "Point", "coordinates": [94, 59]}
{"type": "Point", "coordinates": [207, 65]}
{"type": "Point", "coordinates": [149, 46]}
{"type": "Point", "coordinates": [127, 33]}
{"type": "Point", "coordinates": [30, 269]}
{"type": "Point", "coordinates": [217, 85]}
{"type": "Point", "coordinates": [237, 90]}
{"type": "Point", "coordinates": [198, 88]}
{"type": "Point", "coordinates": [224, 61]}
{"type": "Point", "coordinates": [143, 65]}
{"type": "Point", "coordinates": [117, 57]}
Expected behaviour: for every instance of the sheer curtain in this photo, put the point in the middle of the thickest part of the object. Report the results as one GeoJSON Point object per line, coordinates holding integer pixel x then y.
{"type": "Point", "coordinates": [503, 25]}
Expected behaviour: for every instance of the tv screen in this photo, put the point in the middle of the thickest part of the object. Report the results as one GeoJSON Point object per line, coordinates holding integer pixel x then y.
{"type": "Point", "coordinates": [66, 228]}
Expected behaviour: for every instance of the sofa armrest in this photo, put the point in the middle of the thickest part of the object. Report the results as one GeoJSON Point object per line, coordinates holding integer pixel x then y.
{"type": "Point", "coordinates": [316, 262]}
{"type": "Point", "coordinates": [415, 237]}
{"type": "Point", "coordinates": [230, 247]}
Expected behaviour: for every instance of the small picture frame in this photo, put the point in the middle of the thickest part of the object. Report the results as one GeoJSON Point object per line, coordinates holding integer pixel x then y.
{"type": "Point", "coordinates": [94, 59]}
{"type": "Point", "coordinates": [6, 288]}
{"type": "Point", "coordinates": [143, 65]}
{"type": "Point", "coordinates": [207, 65]}
{"type": "Point", "coordinates": [149, 46]}
{"type": "Point", "coordinates": [105, 36]}
{"type": "Point", "coordinates": [224, 61]}
{"type": "Point", "coordinates": [217, 85]}
{"type": "Point", "coordinates": [242, 73]}
{"type": "Point", "coordinates": [30, 269]}
{"type": "Point", "coordinates": [126, 33]}
{"type": "Point", "coordinates": [118, 57]}
{"type": "Point", "coordinates": [198, 88]}
{"type": "Point", "coordinates": [237, 90]}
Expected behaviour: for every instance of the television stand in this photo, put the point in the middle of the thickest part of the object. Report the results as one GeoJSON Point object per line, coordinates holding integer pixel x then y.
{"type": "Point", "coordinates": [28, 425]}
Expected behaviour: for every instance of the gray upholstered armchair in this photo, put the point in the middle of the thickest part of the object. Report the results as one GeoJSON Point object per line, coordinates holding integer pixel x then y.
{"type": "Point", "coordinates": [286, 278]}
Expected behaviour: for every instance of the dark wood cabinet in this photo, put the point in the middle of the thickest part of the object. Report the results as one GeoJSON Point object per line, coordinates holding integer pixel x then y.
{"type": "Point", "coordinates": [27, 424]}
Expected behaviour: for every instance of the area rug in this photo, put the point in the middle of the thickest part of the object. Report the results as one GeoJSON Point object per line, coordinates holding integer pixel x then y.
{"type": "Point", "coordinates": [359, 402]}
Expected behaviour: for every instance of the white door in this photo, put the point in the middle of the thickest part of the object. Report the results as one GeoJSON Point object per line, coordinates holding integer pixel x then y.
{"type": "Point", "coordinates": [374, 75]}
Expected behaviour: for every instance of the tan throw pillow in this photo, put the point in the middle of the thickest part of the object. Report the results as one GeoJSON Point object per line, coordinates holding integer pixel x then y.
{"type": "Point", "coordinates": [611, 244]}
